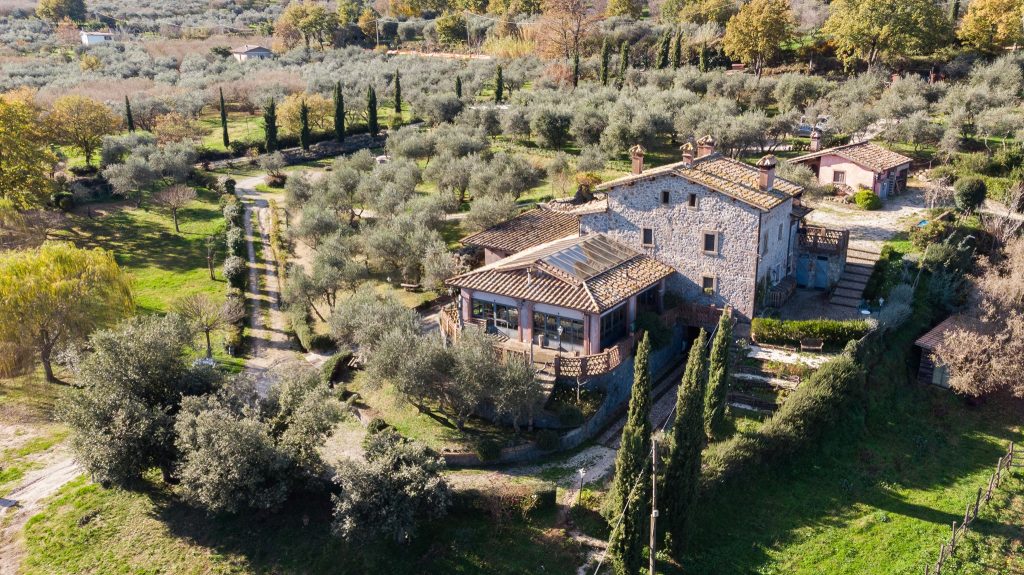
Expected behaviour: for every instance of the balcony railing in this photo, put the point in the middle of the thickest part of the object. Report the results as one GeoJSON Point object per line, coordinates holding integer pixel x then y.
{"type": "Point", "coordinates": [823, 240]}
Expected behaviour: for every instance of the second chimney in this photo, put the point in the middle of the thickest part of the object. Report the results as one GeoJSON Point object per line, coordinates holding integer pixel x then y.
{"type": "Point", "coordinates": [636, 153]}
{"type": "Point", "coordinates": [815, 140]}
{"type": "Point", "coordinates": [705, 146]}
{"type": "Point", "coordinates": [687, 150]}
{"type": "Point", "coordinates": [766, 172]}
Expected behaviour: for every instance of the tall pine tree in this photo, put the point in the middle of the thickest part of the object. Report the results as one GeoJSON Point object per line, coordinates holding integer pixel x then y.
{"type": "Point", "coordinates": [664, 46]}
{"type": "Point", "coordinates": [270, 126]}
{"type": "Point", "coordinates": [677, 52]}
{"type": "Point", "coordinates": [718, 378]}
{"type": "Point", "coordinates": [398, 94]}
{"type": "Point", "coordinates": [606, 57]}
{"type": "Point", "coordinates": [304, 122]}
{"type": "Point", "coordinates": [632, 482]}
{"type": "Point", "coordinates": [371, 111]}
{"type": "Point", "coordinates": [128, 119]}
{"type": "Point", "coordinates": [499, 85]}
{"type": "Point", "coordinates": [576, 69]}
{"type": "Point", "coordinates": [224, 120]}
{"type": "Point", "coordinates": [623, 63]}
{"type": "Point", "coordinates": [339, 113]}
{"type": "Point", "coordinates": [682, 471]}
{"type": "Point", "coordinates": [458, 86]}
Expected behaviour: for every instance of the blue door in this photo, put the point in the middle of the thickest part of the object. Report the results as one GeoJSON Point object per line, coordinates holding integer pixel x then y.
{"type": "Point", "coordinates": [803, 271]}
{"type": "Point", "coordinates": [821, 273]}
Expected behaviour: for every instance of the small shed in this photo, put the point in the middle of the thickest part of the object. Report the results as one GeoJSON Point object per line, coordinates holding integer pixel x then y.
{"type": "Point", "coordinates": [251, 52]}
{"type": "Point", "coordinates": [931, 371]}
{"type": "Point", "coordinates": [860, 165]}
{"type": "Point", "coordinates": [94, 38]}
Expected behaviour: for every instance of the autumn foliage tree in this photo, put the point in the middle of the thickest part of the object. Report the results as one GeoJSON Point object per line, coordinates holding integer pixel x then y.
{"type": "Point", "coordinates": [56, 10]}
{"type": "Point", "coordinates": [25, 158]}
{"type": "Point", "coordinates": [54, 295]}
{"type": "Point", "coordinates": [756, 33]}
{"type": "Point", "coordinates": [81, 122]}
{"type": "Point", "coordinates": [991, 25]}
{"type": "Point", "coordinates": [872, 31]}
{"type": "Point", "coordinates": [564, 25]}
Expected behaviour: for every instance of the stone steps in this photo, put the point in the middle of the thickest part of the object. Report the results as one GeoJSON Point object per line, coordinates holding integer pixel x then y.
{"type": "Point", "coordinates": [848, 293]}
{"type": "Point", "coordinates": [845, 301]}
{"type": "Point", "coordinates": [852, 282]}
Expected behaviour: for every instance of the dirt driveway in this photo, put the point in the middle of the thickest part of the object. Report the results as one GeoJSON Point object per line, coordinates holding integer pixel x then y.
{"type": "Point", "coordinates": [870, 229]}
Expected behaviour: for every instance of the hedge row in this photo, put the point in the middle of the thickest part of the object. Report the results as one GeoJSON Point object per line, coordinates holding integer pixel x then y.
{"type": "Point", "coordinates": [834, 333]}
{"type": "Point", "coordinates": [299, 320]}
{"type": "Point", "coordinates": [506, 500]}
{"type": "Point", "coordinates": [819, 404]}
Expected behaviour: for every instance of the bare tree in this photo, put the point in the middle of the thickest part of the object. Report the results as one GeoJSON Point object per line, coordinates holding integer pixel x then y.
{"type": "Point", "coordinates": [938, 192]}
{"type": "Point", "coordinates": [564, 25]}
{"type": "Point", "coordinates": [208, 316]}
{"type": "Point", "coordinates": [174, 198]}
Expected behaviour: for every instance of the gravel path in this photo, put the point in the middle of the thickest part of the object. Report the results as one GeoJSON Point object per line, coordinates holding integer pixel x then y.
{"type": "Point", "coordinates": [871, 229]}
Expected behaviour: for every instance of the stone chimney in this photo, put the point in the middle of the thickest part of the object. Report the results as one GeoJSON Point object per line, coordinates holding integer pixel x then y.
{"type": "Point", "coordinates": [766, 172]}
{"type": "Point", "coordinates": [705, 146]}
{"type": "Point", "coordinates": [688, 150]}
{"type": "Point", "coordinates": [636, 153]}
{"type": "Point", "coordinates": [815, 140]}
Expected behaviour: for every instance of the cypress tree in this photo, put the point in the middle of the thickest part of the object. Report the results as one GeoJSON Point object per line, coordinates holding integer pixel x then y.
{"type": "Point", "coordinates": [682, 471]}
{"type": "Point", "coordinates": [339, 113]}
{"type": "Point", "coordinates": [224, 120]}
{"type": "Point", "coordinates": [499, 85]}
{"type": "Point", "coordinates": [702, 61]}
{"type": "Point", "coordinates": [954, 11]}
{"type": "Point", "coordinates": [606, 57]}
{"type": "Point", "coordinates": [458, 86]}
{"type": "Point", "coordinates": [371, 111]}
{"type": "Point", "coordinates": [270, 126]}
{"type": "Point", "coordinates": [398, 95]}
{"type": "Point", "coordinates": [677, 52]}
{"type": "Point", "coordinates": [663, 49]}
{"type": "Point", "coordinates": [718, 374]}
{"type": "Point", "coordinates": [576, 69]}
{"type": "Point", "coordinates": [304, 120]}
{"type": "Point", "coordinates": [623, 63]}
{"type": "Point", "coordinates": [626, 543]}
{"type": "Point", "coordinates": [128, 119]}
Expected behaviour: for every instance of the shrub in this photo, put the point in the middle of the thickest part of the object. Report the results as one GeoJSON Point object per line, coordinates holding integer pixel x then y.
{"type": "Point", "coordinates": [969, 193]}
{"type": "Point", "coordinates": [229, 186]}
{"type": "Point", "coordinates": [376, 425]}
{"type": "Point", "coordinates": [299, 320]}
{"type": "Point", "coordinates": [321, 342]}
{"type": "Point", "coordinates": [235, 271]}
{"type": "Point", "coordinates": [933, 232]}
{"type": "Point", "coordinates": [835, 333]}
{"type": "Point", "coordinates": [548, 440]}
{"type": "Point", "coordinates": [332, 369]}
{"type": "Point", "coordinates": [504, 500]}
{"type": "Point", "coordinates": [867, 200]}
{"type": "Point", "coordinates": [570, 415]}
{"type": "Point", "coordinates": [235, 239]}
{"type": "Point", "coordinates": [233, 214]}
{"type": "Point", "coordinates": [487, 450]}
{"type": "Point", "coordinates": [651, 323]}
{"type": "Point", "coordinates": [276, 180]}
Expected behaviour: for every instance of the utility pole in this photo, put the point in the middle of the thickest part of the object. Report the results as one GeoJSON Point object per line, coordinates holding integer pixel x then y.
{"type": "Point", "coordinates": [654, 500]}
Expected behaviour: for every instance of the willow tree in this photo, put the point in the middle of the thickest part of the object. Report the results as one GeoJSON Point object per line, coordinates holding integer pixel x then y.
{"type": "Point", "coordinates": [54, 295]}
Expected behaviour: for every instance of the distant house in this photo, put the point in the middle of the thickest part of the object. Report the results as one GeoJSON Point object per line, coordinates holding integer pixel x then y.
{"type": "Point", "coordinates": [522, 232]}
{"type": "Point", "coordinates": [860, 165]}
{"type": "Point", "coordinates": [251, 52]}
{"type": "Point", "coordinates": [94, 38]}
{"type": "Point", "coordinates": [930, 370]}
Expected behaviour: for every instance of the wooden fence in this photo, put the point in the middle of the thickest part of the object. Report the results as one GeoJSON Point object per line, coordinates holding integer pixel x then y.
{"type": "Point", "coordinates": [946, 550]}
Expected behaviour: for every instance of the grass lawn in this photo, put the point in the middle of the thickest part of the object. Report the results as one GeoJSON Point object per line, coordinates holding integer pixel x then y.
{"type": "Point", "coordinates": [241, 127]}
{"type": "Point", "coordinates": [88, 529]}
{"type": "Point", "coordinates": [878, 496]}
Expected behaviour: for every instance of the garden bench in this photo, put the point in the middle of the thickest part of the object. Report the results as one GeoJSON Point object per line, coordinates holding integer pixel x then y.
{"type": "Point", "coordinates": [411, 287]}
{"type": "Point", "coordinates": [811, 344]}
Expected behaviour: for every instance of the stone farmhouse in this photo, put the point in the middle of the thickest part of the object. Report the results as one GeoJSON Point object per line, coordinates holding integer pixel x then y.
{"type": "Point", "coordinates": [860, 165]}
{"type": "Point", "coordinates": [565, 283]}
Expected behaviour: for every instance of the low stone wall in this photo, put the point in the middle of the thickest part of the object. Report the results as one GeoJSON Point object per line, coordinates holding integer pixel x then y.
{"type": "Point", "coordinates": [317, 151]}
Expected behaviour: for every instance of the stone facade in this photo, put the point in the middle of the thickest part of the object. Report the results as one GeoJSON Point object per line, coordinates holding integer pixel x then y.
{"type": "Point", "coordinates": [677, 228]}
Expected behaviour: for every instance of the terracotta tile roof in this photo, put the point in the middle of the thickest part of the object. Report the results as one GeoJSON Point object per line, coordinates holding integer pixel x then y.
{"type": "Point", "coordinates": [725, 175]}
{"type": "Point", "coordinates": [526, 230]}
{"type": "Point", "coordinates": [801, 211]}
{"type": "Point", "coordinates": [867, 154]}
{"type": "Point", "coordinates": [931, 340]}
{"type": "Point", "coordinates": [597, 205]}
{"type": "Point", "coordinates": [589, 273]}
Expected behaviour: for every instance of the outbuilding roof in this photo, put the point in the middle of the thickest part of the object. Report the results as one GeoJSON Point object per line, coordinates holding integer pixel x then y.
{"type": "Point", "coordinates": [589, 273]}
{"type": "Point", "coordinates": [525, 231]}
{"type": "Point", "coordinates": [245, 49]}
{"type": "Point", "coordinates": [866, 154]}
{"type": "Point", "coordinates": [931, 340]}
{"type": "Point", "coordinates": [731, 177]}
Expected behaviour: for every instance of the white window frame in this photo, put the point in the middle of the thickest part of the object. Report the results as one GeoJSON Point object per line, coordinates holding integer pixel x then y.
{"type": "Point", "coordinates": [838, 176]}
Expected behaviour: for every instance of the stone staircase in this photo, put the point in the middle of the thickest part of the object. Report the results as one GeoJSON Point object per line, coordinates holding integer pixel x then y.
{"type": "Point", "coordinates": [860, 262]}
